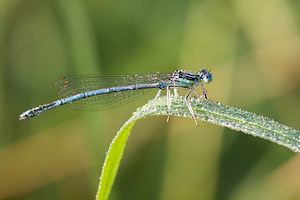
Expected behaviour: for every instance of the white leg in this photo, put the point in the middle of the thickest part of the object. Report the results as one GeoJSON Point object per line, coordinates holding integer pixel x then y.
{"type": "Point", "coordinates": [189, 105]}
{"type": "Point", "coordinates": [155, 98]}
{"type": "Point", "coordinates": [157, 95]}
{"type": "Point", "coordinates": [176, 93]}
{"type": "Point", "coordinates": [169, 102]}
{"type": "Point", "coordinates": [205, 96]}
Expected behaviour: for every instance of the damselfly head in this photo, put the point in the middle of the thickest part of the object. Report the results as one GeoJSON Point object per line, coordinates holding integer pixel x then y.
{"type": "Point", "coordinates": [205, 75]}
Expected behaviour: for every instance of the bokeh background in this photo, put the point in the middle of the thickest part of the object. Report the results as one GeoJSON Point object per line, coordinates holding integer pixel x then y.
{"type": "Point", "coordinates": [251, 47]}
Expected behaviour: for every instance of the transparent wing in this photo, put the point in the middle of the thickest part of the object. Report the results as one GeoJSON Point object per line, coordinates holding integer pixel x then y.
{"type": "Point", "coordinates": [70, 85]}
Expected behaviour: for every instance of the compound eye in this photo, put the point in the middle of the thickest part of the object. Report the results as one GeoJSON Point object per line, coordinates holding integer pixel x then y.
{"type": "Point", "coordinates": [207, 77]}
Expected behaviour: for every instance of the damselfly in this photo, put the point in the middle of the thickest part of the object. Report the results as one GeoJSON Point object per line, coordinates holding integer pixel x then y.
{"type": "Point", "coordinates": [99, 92]}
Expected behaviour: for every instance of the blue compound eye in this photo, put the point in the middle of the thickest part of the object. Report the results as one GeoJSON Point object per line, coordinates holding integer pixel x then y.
{"type": "Point", "coordinates": [207, 77]}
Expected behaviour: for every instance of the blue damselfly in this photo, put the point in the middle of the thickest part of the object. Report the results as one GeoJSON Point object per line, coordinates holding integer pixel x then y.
{"type": "Point", "coordinates": [99, 92]}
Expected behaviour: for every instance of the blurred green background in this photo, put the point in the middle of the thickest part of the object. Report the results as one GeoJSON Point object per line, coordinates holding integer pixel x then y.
{"type": "Point", "coordinates": [251, 47]}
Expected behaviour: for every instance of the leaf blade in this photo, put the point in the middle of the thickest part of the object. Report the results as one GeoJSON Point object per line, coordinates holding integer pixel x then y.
{"type": "Point", "coordinates": [112, 161]}
{"type": "Point", "coordinates": [226, 116]}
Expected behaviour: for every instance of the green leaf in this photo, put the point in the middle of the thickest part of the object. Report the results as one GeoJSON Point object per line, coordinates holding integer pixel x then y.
{"type": "Point", "coordinates": [222, 115]}
{"type": "Point", "coordinates": [112, 160]}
